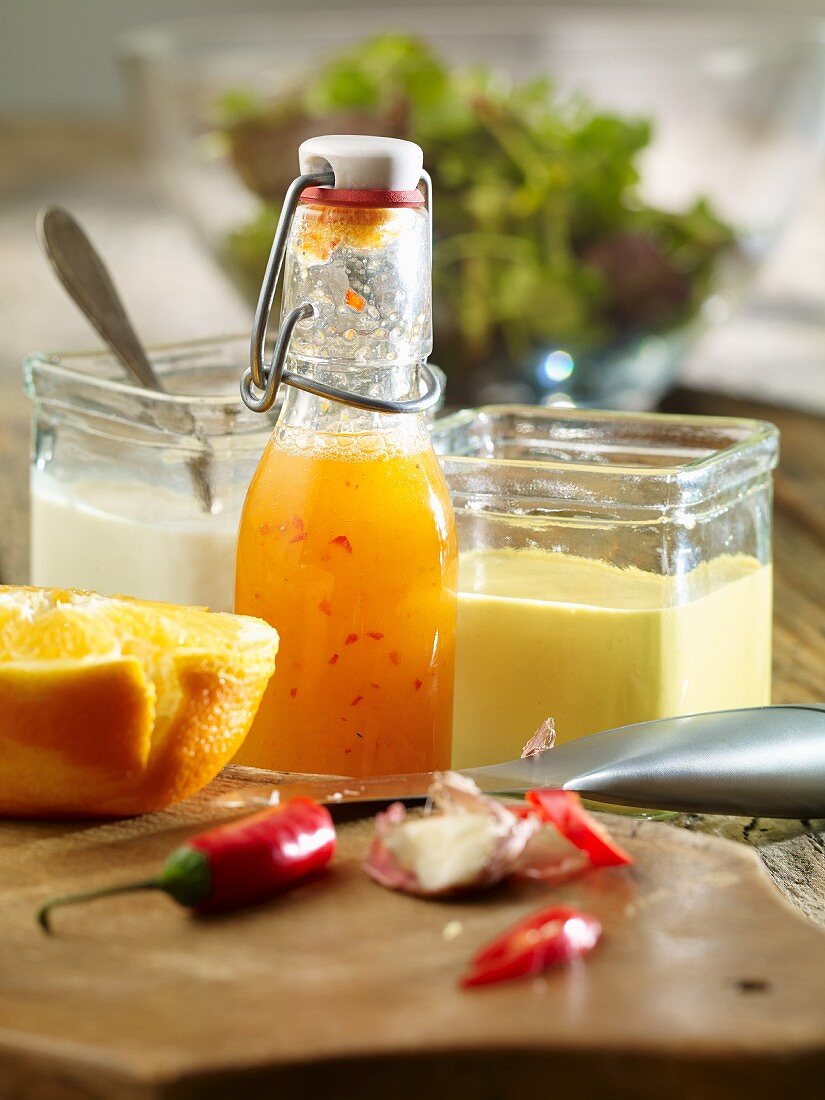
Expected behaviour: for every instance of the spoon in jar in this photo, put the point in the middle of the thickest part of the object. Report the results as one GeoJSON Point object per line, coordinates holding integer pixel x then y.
{"type": "Point", "coordinates": [86, 278]}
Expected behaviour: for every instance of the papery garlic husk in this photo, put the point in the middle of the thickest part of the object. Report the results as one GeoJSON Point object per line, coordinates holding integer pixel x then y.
{"type": "Point", "coordinates": [543, 739]}
{"type": "Point", "coordinates": [464, 841]}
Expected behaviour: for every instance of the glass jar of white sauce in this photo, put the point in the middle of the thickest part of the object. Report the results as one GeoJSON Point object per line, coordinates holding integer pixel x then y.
{"type": "Point", "coordinates": [115, 506]}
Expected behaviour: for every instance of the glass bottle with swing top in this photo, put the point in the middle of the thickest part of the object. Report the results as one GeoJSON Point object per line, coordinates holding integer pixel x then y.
{"type": "Point", "coordinates": [347, 540]}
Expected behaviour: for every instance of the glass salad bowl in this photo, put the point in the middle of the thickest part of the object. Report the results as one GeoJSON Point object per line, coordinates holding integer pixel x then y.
{"type": "Point", "coordinates": [606, 181]}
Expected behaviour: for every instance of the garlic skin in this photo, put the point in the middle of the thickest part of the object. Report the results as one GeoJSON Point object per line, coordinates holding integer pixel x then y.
{"type": "Point", "coordinates": [464, 841]}
{"type": "Point", "coordinates": [543, 739]}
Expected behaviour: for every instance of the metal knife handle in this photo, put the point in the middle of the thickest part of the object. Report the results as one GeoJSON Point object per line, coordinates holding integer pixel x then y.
{"type": "Point", "coordinates": [755, 762]}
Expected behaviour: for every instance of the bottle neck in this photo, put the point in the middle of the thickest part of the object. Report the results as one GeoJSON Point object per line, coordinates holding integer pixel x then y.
{"type": "Point", "coordinates": [386, 381]}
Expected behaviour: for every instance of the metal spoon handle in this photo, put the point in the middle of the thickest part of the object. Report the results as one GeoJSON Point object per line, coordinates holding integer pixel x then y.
{"type": "Point", "coordinates": [87, 280]}
{"type": "Point", "coordinates": [85, 277]}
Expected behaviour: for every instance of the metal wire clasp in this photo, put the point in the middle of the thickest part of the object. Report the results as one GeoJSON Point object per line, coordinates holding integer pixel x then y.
{"type": "Point", "coordinates": [266, 379]}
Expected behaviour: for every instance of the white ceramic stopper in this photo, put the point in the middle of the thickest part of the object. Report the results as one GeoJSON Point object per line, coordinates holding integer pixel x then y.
{"type": "Point", "coordinates": [363, 163]}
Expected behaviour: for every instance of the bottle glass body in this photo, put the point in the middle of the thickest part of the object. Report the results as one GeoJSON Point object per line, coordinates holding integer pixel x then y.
{"type": "Point", "coordinates": [347, 546]}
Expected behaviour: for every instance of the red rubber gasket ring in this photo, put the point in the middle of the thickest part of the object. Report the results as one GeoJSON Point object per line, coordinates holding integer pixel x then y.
{"type": "Point", "coordinates": [337, 196]}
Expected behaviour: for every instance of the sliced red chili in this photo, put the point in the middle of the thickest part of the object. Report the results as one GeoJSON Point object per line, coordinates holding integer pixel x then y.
{"type": "Point", "coordinates": [395, 657]}
{"type": "Point", "coordinates": [544, 939]}
{"type": "Point", "coordinates": [325, 607]}
{"type": "Point", "coordinates": [350, 639]}
{"type": "Point", "coordinates": [354, 300]}
{"type": "Point", "coordinates": [564, 810]}
{"type": "Point", "coordinates": [376, 635]}
{"type": "Point", "coordinates": [333, 659]}
{"type": "Point", "coordinates": [343, 542]}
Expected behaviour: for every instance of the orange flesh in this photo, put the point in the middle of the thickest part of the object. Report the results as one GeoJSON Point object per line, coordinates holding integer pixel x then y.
{"type": "Point", "coordinates": [113, 706]}
{"type": "Point", "coordinates": [351, 553]}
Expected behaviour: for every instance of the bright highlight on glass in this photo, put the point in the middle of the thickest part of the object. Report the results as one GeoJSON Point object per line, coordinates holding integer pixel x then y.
{"type": "Point", "coordinates": [557, 367]}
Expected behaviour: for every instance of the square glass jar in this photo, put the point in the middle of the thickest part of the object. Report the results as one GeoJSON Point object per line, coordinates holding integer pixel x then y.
{"type": "Point", "coordinates": [115, 506]}
{"type": "Point", "coordinates": [614, 568]}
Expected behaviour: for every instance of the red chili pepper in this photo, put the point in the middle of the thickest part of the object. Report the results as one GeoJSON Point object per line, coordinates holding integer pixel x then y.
{"type": "Point", "coordinates": [544, 939]}
{"type": "Point", "coordinates": [564, 810]}
{"type": "Point", "coordinates": [237, 864]}
{"type": "Point", "coordinates": [354, 300]}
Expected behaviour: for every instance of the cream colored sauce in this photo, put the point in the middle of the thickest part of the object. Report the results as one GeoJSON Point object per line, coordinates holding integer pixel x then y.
{"type": "Point", "coordinates": [131, 539]}
{"type": "Point", "coordinates": [596, 646]}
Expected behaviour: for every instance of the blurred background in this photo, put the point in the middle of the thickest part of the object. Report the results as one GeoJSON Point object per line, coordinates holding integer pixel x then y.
{"type": "Point", "coordinates": [626, 199]}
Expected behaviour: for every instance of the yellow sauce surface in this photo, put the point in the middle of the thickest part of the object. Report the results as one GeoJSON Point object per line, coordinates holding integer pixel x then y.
{"type": "Point", "coordinates": [594, 646]}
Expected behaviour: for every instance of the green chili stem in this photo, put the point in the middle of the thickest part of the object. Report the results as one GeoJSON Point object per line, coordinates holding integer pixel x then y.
{"type": "Point", "coordinates": [45, 910]}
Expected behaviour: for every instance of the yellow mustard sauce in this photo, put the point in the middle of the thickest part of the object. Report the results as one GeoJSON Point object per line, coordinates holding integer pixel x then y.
{"type": "Point", "coordinates": [596, 646]}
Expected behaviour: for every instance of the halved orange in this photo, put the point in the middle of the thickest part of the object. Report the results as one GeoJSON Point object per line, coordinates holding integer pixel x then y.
{"type": "Point", "coordinates": [112, 706]}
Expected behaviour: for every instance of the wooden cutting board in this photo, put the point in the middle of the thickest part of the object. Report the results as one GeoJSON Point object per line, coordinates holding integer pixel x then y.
{"type": "Point", "coordinates": [706, 984]}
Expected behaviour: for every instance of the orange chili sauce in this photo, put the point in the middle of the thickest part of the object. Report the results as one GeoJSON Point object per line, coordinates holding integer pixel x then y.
{"type": "Point", "coordinates": [325, 228]}
{"type": "Point", "coordinates": [347, 546]}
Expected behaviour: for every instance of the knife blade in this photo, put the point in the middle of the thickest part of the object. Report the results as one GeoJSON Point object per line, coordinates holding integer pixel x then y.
{"type": "Point", "coordinates": [756, 761]}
